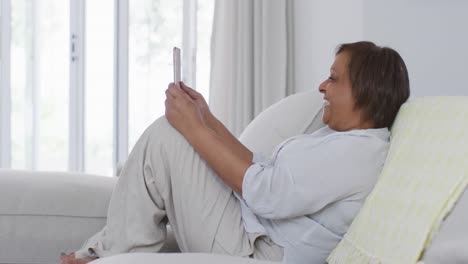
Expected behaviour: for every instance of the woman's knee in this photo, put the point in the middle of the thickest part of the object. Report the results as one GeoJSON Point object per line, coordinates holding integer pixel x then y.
{"type": "Point", "coordinates": [160, 124]}
{"type": "Point", "coordinates": [161, 132]}
{"type": "Point", "coordinates": [161, 129]}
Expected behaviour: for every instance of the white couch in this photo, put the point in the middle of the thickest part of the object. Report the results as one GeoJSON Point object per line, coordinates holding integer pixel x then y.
{"type": "Point", "coordinates": [45, 213]}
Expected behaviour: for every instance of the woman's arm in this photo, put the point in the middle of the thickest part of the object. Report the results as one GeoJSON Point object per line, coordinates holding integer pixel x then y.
{"type": "Point", "coordinates": [227, 163]}
{"type": "Point", "coordinates": [221, 150]}
{"type": "Point", "coordinates": [229, 139]}
{"type": "Point", "coordinates": [217, 126]}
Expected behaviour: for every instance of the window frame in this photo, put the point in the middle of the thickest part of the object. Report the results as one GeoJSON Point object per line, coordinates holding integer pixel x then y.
{"type": "Point", "coordinates": [120, 148]}
{"type": "Point", "coordinates": [76, 121]}
{"type": "Point", "coordinates": [5, 92]}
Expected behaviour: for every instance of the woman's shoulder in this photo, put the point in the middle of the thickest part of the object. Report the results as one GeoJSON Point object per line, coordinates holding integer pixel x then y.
{"type": "Point", "coordinates": [335, 145]}
{"type": "Point", "coordinates": [326, 134]}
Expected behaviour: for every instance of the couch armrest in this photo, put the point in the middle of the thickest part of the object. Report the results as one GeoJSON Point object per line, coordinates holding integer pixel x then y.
{"type": "Point", "coordinates": [45, 213]}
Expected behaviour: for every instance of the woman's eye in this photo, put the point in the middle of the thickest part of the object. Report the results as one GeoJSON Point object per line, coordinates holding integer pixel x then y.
{"type": "Point", "coordinates": [331, 78]}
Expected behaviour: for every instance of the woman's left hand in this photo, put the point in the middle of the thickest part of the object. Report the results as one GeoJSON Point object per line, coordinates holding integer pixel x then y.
{"type": "Point", "coordinates": [182, 111]}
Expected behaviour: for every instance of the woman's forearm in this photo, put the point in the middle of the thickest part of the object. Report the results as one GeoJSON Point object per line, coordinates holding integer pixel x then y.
{"type": "Point", "coordinates": [228, 137]}
{"type": "Point", "coordinates": [228, 163]}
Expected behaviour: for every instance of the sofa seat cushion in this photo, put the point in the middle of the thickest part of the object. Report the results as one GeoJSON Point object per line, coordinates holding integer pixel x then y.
{"type": "Point", "coordinates": [177, 258]}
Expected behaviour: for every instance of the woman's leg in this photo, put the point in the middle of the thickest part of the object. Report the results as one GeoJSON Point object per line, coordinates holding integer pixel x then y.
{"type": "Point", "coordinates": [164, 179]}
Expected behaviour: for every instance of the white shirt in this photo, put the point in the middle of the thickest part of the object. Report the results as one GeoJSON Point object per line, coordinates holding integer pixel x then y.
{"type": "Point", "coordinates": [307, 194]}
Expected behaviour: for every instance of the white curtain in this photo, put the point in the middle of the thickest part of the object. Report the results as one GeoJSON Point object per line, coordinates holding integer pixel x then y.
{"type": "Point", "coordinates": [251, 58]}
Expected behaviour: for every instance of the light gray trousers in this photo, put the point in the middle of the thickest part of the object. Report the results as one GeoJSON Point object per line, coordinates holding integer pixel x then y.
{"type": "Point", "coordinates": [164, 179]}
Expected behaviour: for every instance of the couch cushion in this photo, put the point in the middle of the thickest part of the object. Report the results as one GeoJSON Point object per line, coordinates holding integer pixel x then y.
{"type": "Point", "coordinates": [424, 175]}
{"type": "Point", "coordinates": [450, 243]}
{"type": "Point", "coordinates": [180, 258]}
{"type": "Point", "coordinates": [291, 116]}
{"type": "Point", "coordinates": [45, 213]}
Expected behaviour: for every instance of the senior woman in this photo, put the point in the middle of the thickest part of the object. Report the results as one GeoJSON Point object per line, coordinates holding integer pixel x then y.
{"type": "Point", "coordinates": [189, 170]}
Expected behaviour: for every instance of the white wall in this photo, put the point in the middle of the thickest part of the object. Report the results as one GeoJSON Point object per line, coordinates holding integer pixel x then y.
{"type": "Point", "coordinates": [430, 35]}
{"type": "Point", "coordinates": [319, 27]}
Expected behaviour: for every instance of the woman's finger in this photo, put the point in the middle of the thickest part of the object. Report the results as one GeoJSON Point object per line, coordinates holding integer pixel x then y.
{"type": "Point", "coordinates": [187, 96]}
{"type": "Point", "coordinates": [168, 95]}
{"type": "Point", "coordinates": [194, 94]}
{"type": "Point", "coordinates": [173, 91]}
{"type": "Point", "coordinates": [178, 93]}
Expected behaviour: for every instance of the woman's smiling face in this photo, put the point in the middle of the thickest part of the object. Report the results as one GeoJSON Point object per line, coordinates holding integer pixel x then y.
{"type": "Point", "coordinates": [339, 112]}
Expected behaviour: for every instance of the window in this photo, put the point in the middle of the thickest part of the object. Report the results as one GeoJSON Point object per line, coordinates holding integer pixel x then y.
{"type": "Point", "coordinates": [154, 28]}
{"type": "Point", "coordinates": [39, 78]}
{"type": "Point", "coordinates": [99, 86]}
{"type": "Point", "coordinates": [81, 80]}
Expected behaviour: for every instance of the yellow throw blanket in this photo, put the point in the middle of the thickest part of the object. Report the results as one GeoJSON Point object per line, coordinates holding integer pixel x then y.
{"type": "Point", "coordinates": [425, 173]}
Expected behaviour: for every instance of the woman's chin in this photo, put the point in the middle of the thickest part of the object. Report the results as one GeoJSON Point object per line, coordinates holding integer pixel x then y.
{"type": "Point", "coordinates": [325, 118]}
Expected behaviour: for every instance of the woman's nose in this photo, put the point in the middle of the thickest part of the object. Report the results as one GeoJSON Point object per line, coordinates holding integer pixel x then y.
{"type": "Point", "coordinates": [323, 86]}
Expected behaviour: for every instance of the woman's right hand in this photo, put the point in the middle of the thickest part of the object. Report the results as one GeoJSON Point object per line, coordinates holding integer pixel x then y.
{"type": "Point", "coordinates": [201, 104]}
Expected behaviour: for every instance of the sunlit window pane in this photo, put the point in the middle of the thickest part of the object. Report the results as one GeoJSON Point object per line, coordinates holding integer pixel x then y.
{"type": "Point", "coordinates": [21, 83]}
{"type": "Point", "coordinates": [51, 34]}
{"type": "Point", "coordinates": [155, 27]}
{"type": "Point", "coordinates": [99, 82]}
{"type": "Point", "coordinates": [40, 73]}
{"type": "Point", "coordinates": [205, 11]}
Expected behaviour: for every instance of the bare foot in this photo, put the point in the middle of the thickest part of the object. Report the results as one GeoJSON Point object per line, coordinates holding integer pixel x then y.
{"type": "Point", "coordinates": [70, 259]}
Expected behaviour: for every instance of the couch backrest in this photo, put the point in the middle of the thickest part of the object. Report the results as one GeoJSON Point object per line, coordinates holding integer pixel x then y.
{"type": "Point", "coordinates": [291, 116]}
{"type": "Point", "coordinates": [45, 213]}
